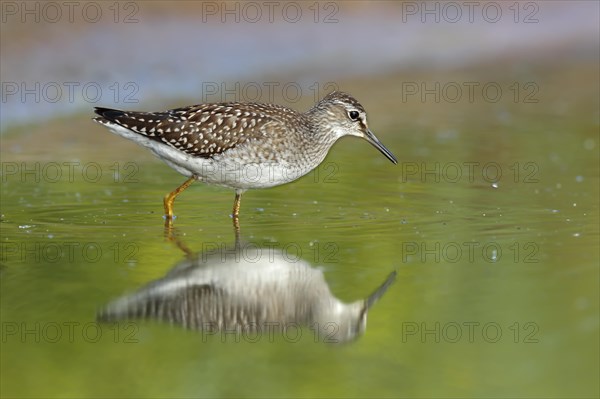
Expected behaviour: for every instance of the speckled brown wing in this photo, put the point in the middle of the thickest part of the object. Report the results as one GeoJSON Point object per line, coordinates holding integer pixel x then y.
{"type": "Point", "coordinates": [201, 130]}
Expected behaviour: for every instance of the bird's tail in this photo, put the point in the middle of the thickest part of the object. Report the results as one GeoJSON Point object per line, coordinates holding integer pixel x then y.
{"type": "Point", "coordinates": [139, 122]}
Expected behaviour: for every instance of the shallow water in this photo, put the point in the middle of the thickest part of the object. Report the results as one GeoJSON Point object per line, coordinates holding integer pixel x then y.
{"type": "Point", "coordinates": [491, 226]}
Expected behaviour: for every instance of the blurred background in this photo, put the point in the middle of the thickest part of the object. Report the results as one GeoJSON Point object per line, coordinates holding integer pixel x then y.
{"type": "Point", "coordinates": [491, 215]}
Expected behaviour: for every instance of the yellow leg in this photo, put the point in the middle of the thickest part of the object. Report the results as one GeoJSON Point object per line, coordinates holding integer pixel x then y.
{"type": "Point", "coordinates": [170, 198]}
{"type": "Point", "coordinates": [235, 216]}
{"type": "Point", "coordinates": [236, 205]}
{"type": "Point", "coordinates": [236, 231]}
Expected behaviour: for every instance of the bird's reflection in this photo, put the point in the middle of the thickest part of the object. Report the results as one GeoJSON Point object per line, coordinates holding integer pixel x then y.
{"type": "Point", "coordinates": [247, 289]}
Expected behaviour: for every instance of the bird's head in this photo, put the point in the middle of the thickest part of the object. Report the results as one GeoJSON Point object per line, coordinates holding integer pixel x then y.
{"type": "Point", "coordinates": [341, 114]}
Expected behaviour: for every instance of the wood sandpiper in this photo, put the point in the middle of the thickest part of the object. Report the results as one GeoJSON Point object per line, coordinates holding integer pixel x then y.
{"type": "Point", "coordinates": [247, 290]}
{"type": "Point", "coordinates": [243, 145]}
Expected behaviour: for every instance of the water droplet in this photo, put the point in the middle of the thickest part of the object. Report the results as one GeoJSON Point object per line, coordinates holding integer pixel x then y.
{"type": "Point", "coordinates": [494, 256]}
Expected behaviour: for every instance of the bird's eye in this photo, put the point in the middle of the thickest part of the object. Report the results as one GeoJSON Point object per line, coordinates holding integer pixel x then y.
{"type": "Point", "coordinates": [353, 115]}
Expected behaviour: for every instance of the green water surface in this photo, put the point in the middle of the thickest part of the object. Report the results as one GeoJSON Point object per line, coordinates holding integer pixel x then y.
{"type": "Point", "coordinates": [490, 220]}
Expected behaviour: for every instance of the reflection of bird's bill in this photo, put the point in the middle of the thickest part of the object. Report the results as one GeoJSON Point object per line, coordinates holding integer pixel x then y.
{"type": "Point", "coordinates": [378, 293]}
{"type": "Point", "coordinates": [377, 144]}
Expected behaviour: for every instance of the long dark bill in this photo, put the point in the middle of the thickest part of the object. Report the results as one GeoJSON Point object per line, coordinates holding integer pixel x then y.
{"type": "Point", "coordinates": [378, 293]}
{"type": "Point", "coordinates": [377, 144]}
